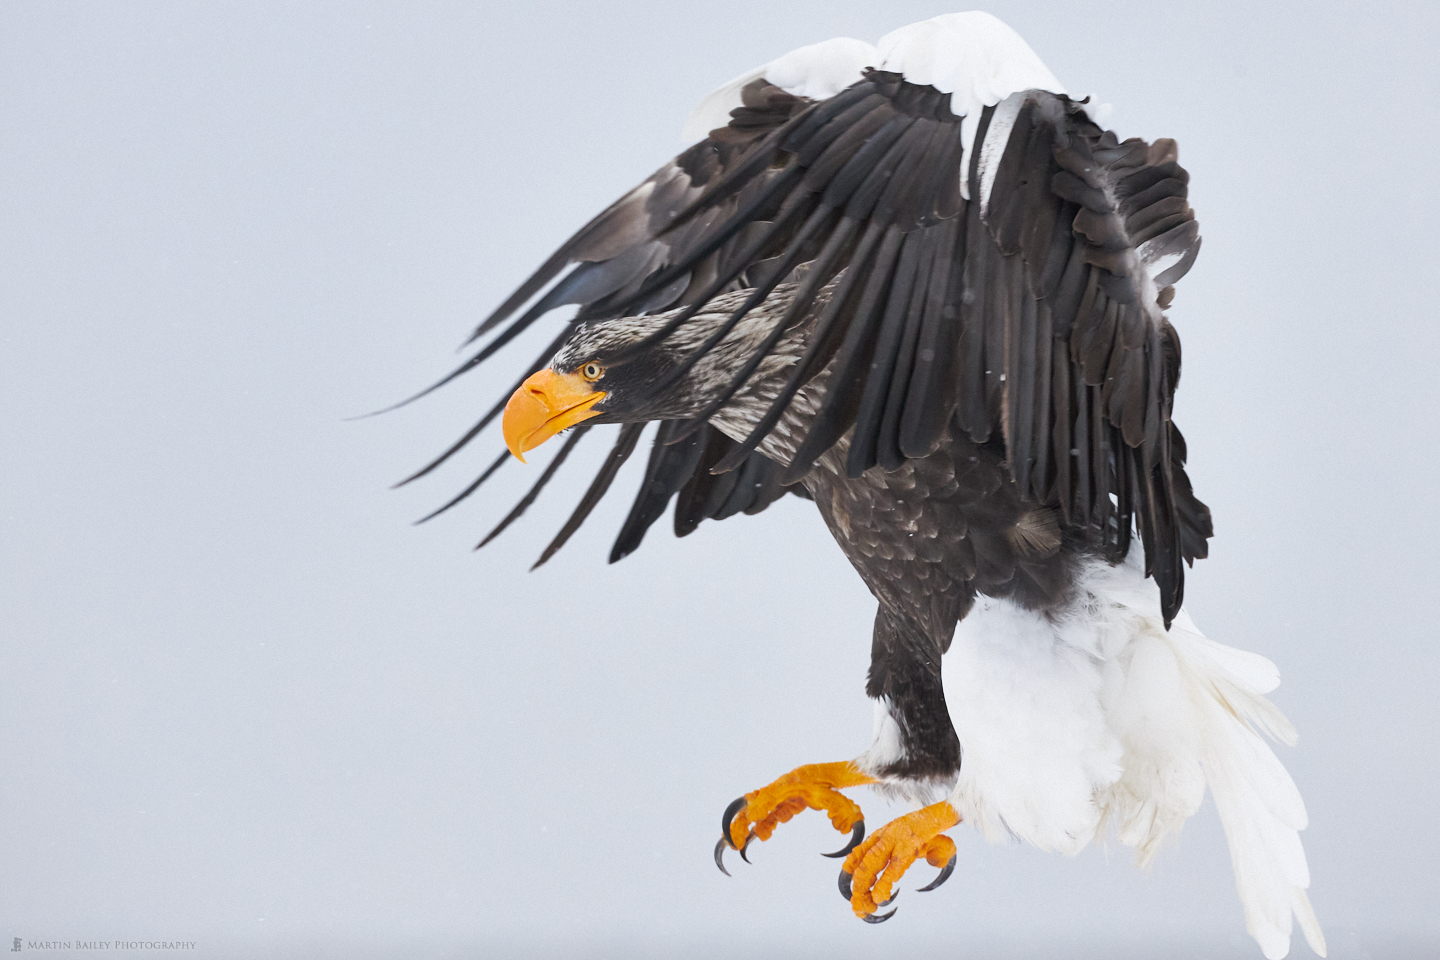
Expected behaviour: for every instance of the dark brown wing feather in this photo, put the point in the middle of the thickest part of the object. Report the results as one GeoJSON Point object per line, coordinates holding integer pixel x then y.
{"type": "Point", "coordinates": [641, 256]}
{"type": "Point", "coordinates": [1026, 311]}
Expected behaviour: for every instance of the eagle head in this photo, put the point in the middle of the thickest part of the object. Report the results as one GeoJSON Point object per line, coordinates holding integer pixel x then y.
{"type": "Point", "coordinates": [619, 371]}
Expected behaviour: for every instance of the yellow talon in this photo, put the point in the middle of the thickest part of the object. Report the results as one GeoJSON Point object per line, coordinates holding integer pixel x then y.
{"type": "Point", "coordinates": [815, 786]}
{"type": "Point", "coordinates": [878, 863]}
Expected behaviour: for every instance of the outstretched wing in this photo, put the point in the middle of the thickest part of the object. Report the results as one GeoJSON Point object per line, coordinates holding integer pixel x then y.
{"type": "Point", "coordinates": [608, 268]}
{"type": "Point", "coordinates": [1010, 281]}
{"type": "Point", "coordinates": [1012, 284]}
{"type": "Point", "coordinates": [1003, 265]}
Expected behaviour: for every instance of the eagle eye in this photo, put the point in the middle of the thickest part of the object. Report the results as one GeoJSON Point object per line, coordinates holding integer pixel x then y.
{"type": "Point", "coordinates": [592, 371]}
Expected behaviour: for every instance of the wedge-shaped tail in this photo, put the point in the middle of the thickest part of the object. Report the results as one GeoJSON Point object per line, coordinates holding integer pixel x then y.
{"type": "Point", "coordinates": [1100, 720]}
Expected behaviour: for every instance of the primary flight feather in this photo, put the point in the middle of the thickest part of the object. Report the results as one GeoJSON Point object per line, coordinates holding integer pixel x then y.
{"type": "Point", "coordinates": [918, 284]}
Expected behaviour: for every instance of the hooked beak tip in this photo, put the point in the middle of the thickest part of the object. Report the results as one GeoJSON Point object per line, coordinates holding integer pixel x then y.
{"type": "Point", "coordinates": [546, 403]}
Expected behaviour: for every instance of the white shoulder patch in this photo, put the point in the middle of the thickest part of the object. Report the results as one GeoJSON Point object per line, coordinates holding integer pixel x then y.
{"type": "Point", "coordinates": [975, 58]}
{"type": "Point", "coordinates": [821, 70]}
{"type": "Point", "coordinates": [816, 72]}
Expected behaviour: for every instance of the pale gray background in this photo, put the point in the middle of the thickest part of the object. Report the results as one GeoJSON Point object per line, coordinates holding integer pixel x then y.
{"type": "Point", "coordinates": [243, 702]}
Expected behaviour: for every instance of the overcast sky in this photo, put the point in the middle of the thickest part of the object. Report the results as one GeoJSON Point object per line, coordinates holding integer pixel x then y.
{"type": "Point", "coordinates": [246, 703]}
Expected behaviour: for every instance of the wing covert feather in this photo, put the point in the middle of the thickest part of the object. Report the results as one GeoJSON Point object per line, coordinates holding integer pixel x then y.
{"type": "Point", "coordinates": [1033, 312]}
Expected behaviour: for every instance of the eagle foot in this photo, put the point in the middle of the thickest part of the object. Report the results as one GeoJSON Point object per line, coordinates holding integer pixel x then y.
{"type": "Point", "coordinates": [873, 868]}
{"type": "Point", "coordinates": [814, 786]}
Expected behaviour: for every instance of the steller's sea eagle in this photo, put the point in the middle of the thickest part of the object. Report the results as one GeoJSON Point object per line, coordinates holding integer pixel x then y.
{"type": "Point", "coordinates": [919, 285]}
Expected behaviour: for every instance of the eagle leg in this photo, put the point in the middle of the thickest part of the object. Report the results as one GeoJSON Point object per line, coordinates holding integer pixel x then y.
{"type": "Point", "coordinates": [815, 786]}
{"type": "Point", "coordinates": [873, 868]}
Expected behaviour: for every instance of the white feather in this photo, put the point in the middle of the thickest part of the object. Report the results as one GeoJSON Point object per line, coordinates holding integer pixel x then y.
{"type": "Point", "coordinates": [1156, 264]}
{"type": "Point", "coordinates": [1099, 719]}
{"type": "Point", "coordinates": [886, 746]}
{"type": "Point", "coordinates": [997, 135]}
{"type": "Point", "coordinates": [1035, 744]}
{"type": "Point", "coordinates": [821, 70]}
{"type": "Point", "coordinates": [817, 72]}
{"type": "Point", "coordinates": [974, 57]}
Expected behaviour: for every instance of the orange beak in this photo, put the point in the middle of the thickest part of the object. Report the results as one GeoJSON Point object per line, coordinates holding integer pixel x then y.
{"type": "Point", "coordinates": [545, 404]}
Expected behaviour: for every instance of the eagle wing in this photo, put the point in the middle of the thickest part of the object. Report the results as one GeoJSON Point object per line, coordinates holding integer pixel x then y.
{"type": "Point", "coordinates": [608, 268]}
{"type": "Point", "coordinates": [1010, 283]}
{"type": "Point", "coordinates": [1002, 271]}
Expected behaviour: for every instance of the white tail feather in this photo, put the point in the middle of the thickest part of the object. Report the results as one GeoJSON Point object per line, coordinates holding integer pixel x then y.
{"type": "Point", "coordinates": [1177, 710]}
{"type": "Point", "coordinates": [1259, 804]}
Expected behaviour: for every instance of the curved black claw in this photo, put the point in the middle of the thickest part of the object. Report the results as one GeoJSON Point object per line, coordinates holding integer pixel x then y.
{"type": "Point", "coordinates": [948, 869]}
{"type": "Point", "coordinates": [847, 879]}
{"type": "Point", "coordinates": [856, 836]}
{"type": "Point", "coordinates": [724, 844]}
{"type": "Point", "coordinates": [735, 807]}
{"type": "Point", "coordinates": [720, 848]}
